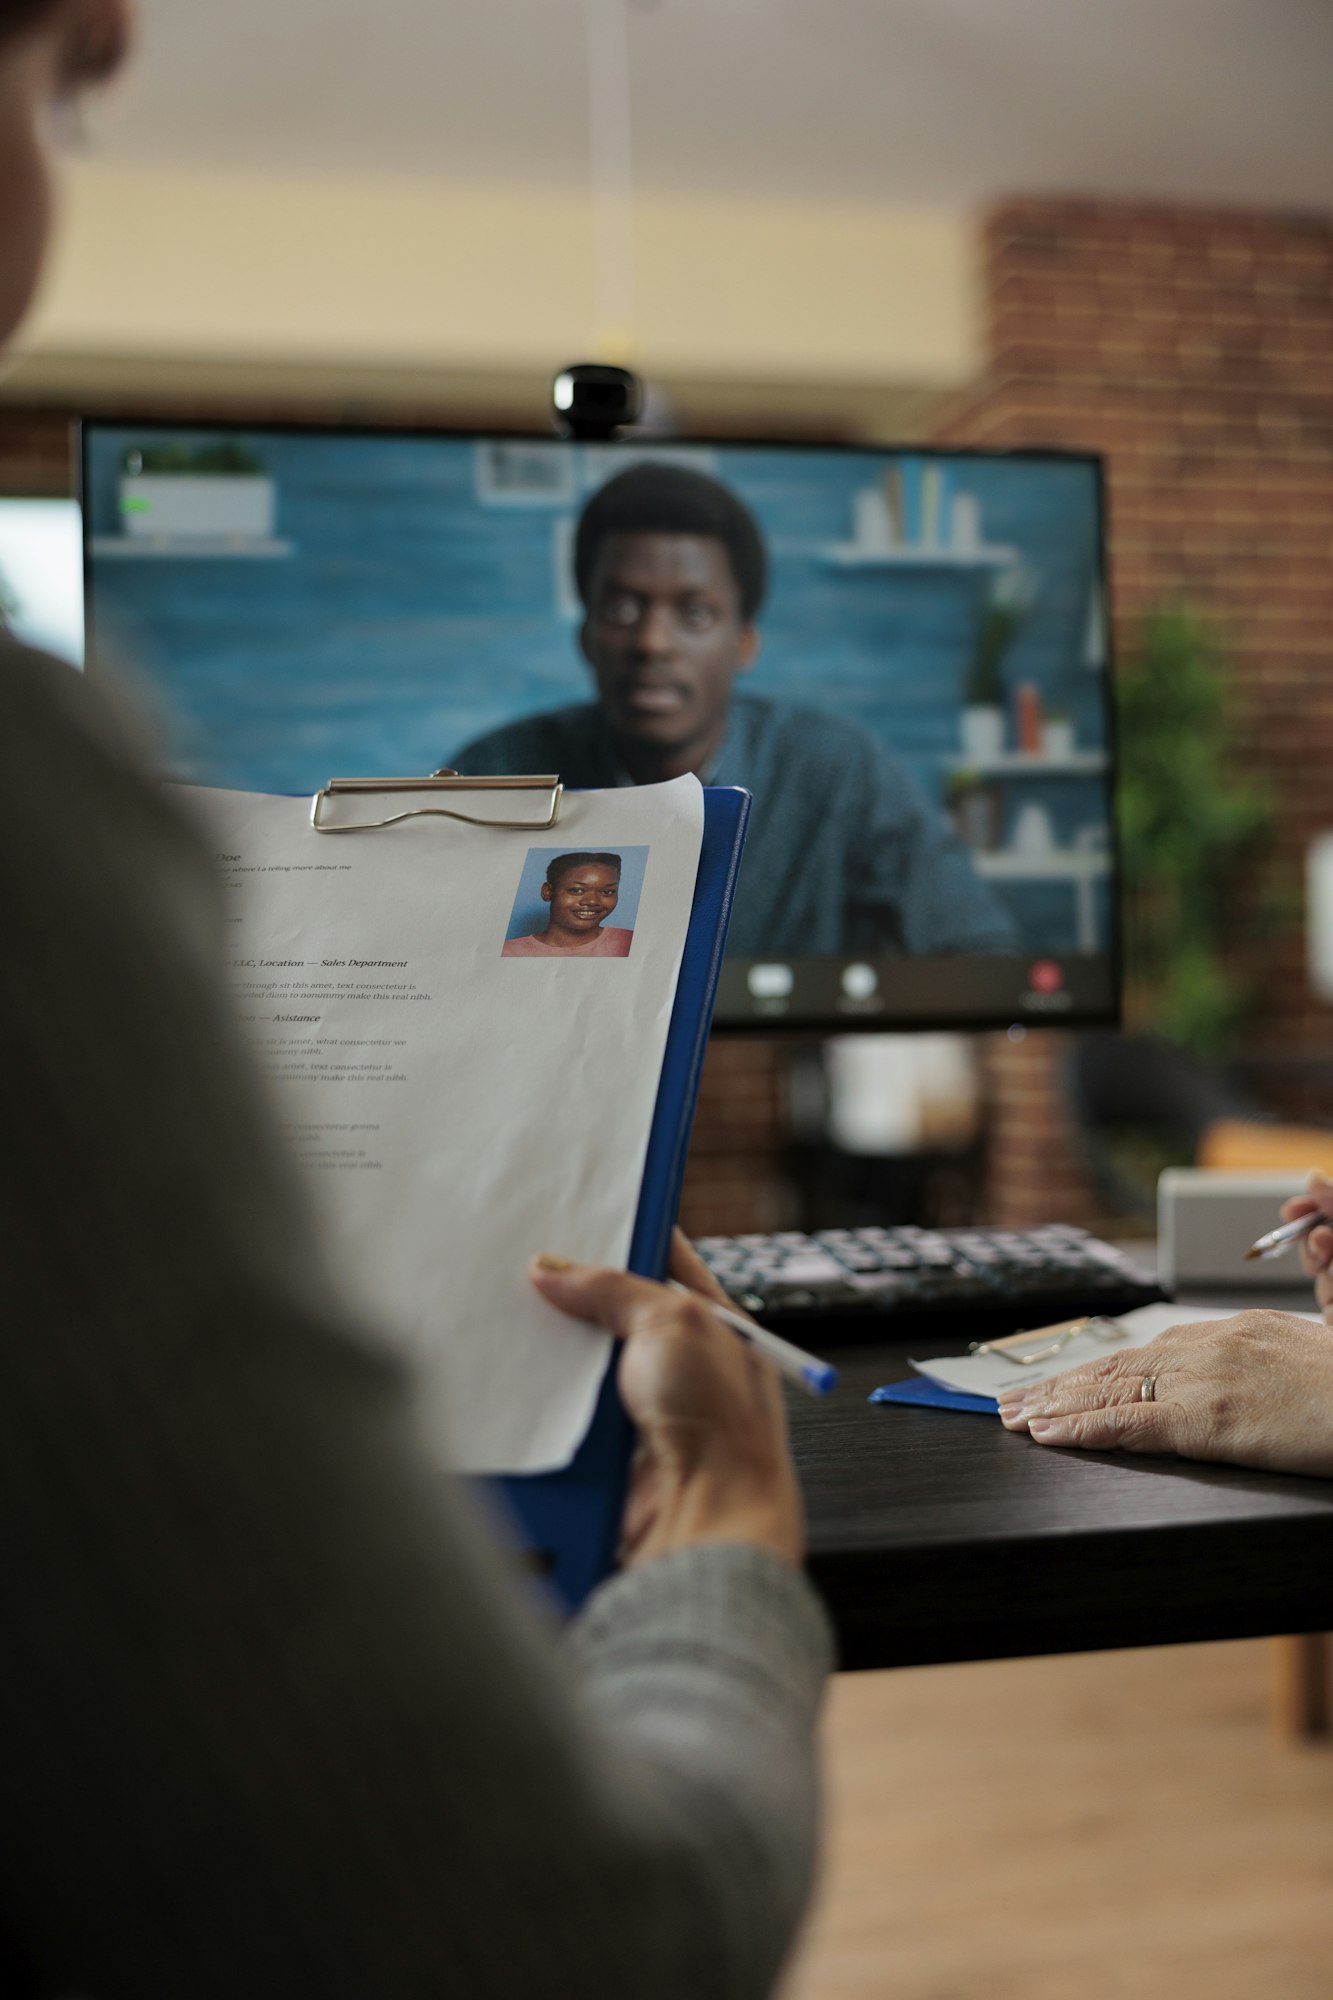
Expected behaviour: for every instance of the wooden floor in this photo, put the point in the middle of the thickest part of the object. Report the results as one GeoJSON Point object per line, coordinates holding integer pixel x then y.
{"type": "Point", "coordinates": [1116, 1826]}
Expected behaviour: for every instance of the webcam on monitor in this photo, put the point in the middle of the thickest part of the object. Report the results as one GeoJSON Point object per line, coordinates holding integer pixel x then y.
{"type": "Point", "coordinates": [593, 401]}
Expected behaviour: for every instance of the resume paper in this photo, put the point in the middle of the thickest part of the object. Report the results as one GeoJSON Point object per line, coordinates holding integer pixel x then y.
{"type": "Point", "coordinates": [463, 1028]}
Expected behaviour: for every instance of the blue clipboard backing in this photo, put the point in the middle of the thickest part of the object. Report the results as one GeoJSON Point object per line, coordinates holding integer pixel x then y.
{"type": "Point", "coordinates": [921, 1393]}
{"type": "Point", "coordinates": [570, 1520]}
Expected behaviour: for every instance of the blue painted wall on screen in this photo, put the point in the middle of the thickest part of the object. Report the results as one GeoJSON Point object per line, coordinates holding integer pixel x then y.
{"type": "Point", "coordinates": [413, 612]}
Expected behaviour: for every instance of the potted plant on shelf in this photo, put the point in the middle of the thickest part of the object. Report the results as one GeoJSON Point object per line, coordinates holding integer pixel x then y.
{"type": "Point", "coordinates": [1006, 610]}
{"type": "Point", "coordinates": [1057, 734]}
{"type": "Point", "coordinates": [219, 492]}
{"type": "Point", "coordinates": [975, 809]}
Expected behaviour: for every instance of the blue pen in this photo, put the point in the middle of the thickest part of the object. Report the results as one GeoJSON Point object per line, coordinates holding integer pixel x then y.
{"type": "Point", "coordinates": [815, 1376]}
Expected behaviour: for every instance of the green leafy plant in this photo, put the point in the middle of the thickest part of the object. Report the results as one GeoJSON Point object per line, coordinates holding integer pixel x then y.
{"type": "Point", "coordinates": [1193, 825]}
{"type": "Point", "coordinates": [975, 803]}
{"type": "Point", "coordinates": [1006, 610]}
{"type": "Point", "coordinates": [224, 458]}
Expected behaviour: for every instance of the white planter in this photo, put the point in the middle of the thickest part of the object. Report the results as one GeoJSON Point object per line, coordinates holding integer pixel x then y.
{"type": "Point", "coordinates": [872, 530]}
{"type": "Point", "coordinates": [1057, 739]}
{"type": "Point", "coordinates": [197, 507]}
{"type": "Point", "coordinates": [983, 734]}
{"type": "Point", "coordinates": [1032, 836]}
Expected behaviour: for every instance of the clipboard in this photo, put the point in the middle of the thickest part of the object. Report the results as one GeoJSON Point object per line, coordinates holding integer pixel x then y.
{"type": "Point", "coordinates": [566, 1523]}
{"type": "Point", "coordinates": [569, 1521]}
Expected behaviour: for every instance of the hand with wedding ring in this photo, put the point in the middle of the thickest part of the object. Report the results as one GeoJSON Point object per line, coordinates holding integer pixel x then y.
{"type": "Point", "coordinates": [1256, 1389]}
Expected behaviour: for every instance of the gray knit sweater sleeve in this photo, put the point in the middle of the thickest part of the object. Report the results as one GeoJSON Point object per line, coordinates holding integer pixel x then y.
{"type": "Point", "coordinates": [273, 1720]}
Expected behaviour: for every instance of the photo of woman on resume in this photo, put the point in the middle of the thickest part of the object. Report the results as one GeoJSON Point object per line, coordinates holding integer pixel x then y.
{"type": "Point", "coordinates": [580, 891]}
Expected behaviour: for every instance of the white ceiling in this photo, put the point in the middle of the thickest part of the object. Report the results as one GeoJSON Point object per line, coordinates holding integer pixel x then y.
{"type": "Point", "coordinates": [951, 101]}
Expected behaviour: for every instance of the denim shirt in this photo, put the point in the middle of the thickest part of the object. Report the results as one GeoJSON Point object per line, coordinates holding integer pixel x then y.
{"type": "Point", "coordinates": [844, 852]}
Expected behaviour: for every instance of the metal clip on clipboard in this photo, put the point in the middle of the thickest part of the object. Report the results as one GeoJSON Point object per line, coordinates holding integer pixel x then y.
{"type": "Point", "coordinates": [443, 781]}
{"type": "Point", "coordinates": [1057, 1338]}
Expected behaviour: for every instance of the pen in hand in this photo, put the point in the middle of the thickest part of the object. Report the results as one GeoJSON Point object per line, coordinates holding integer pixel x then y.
{"type": "Point", "coordinates": [816, 1377]}
{"type": "Point", "coordinates": [1278, 1241]}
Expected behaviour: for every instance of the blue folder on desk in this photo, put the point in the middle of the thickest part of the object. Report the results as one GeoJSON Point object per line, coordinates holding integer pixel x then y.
{"type": "Point", "coordinates": [570, 1519]}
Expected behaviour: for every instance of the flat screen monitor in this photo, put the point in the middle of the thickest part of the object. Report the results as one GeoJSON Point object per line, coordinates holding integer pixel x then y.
{"type": "Point", "coordinates": [901, 653]}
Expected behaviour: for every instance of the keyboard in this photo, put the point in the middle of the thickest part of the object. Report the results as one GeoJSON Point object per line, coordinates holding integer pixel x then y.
{"type": "Point", "coordinates": [875, 1284]}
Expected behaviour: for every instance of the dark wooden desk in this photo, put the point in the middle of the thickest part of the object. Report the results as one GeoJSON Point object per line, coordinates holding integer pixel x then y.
{"type": "Point", "coordinates": [936, 1536]}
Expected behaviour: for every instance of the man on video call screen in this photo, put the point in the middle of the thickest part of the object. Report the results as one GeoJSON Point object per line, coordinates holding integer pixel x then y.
{"type": "Point", "coordinates": [900, 653]}
{"type": "Point", "coordinates": [845, 853]}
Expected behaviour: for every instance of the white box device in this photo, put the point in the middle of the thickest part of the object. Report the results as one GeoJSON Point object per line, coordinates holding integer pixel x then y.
{"type": "Point", "coordinates": [1207, 1220]}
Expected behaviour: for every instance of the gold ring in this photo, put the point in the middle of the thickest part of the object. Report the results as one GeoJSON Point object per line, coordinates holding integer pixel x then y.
{"type": "Point", "coordinates": [1148, 1389]}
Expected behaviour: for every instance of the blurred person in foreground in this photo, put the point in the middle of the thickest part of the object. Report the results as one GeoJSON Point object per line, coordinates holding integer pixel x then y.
{"type": "Point", "coordinates": [1255, 1389]}
{"type": "Point", "coordinates": [274, 1718]}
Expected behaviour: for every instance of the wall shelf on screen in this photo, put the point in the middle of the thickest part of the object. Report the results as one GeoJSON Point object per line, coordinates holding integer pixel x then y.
{"type": "Point", "coordinates": [1061, 864]}
{"type": "Point", "coordinates": [1081, 867]}
{"type": "Point", "coordinates": [183, 548]}
{"type": "Point", "coordinates": [1031, 764]}
{"type": "Point", "coordinates": [851, 555]}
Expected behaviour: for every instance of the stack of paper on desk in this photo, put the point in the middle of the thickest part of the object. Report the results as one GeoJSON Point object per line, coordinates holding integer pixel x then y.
{"type": "Point", "coordinates": [988, 1374]}
{"type": "Point", "coordinates": [460, 1109]}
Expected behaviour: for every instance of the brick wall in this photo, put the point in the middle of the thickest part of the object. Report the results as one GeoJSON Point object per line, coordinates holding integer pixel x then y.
{"type": "Point", "coordinates": [34, 452]}
{"type": "Point", "coordinates": [1194, 348]}
{"type": "Point", "coordinates": [736, 1178]}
